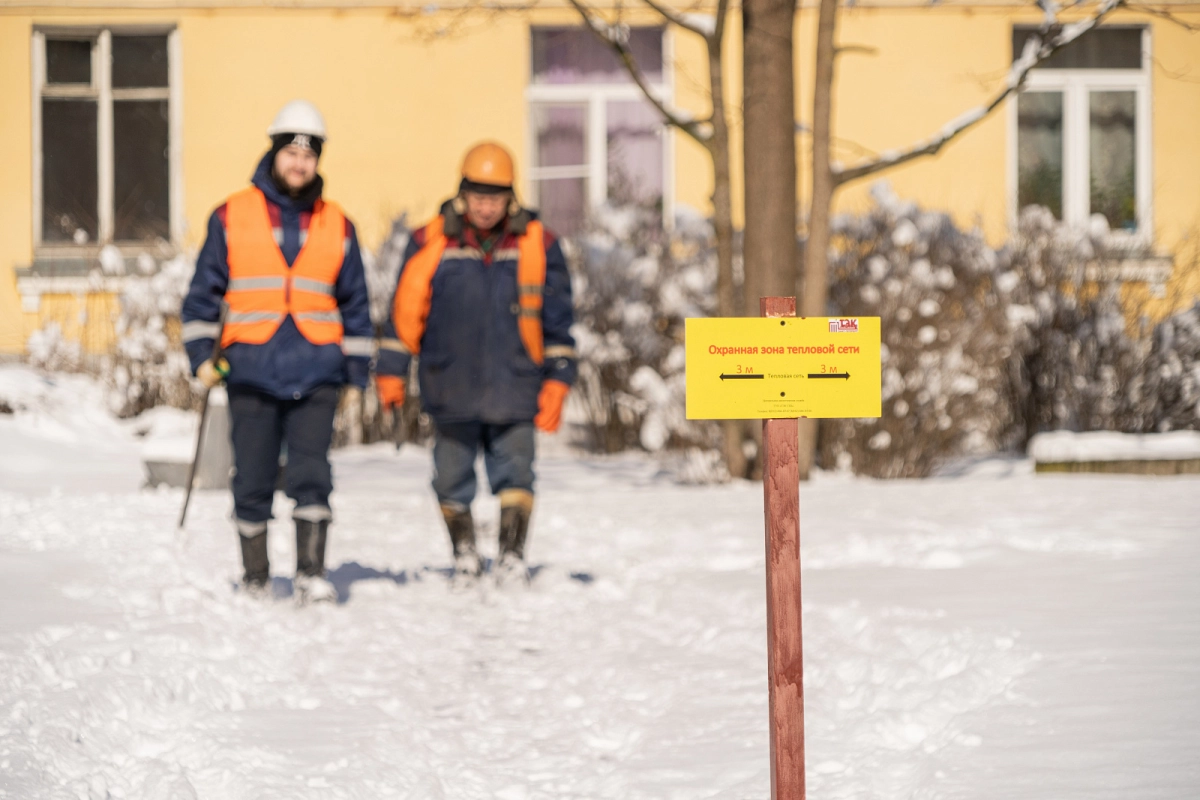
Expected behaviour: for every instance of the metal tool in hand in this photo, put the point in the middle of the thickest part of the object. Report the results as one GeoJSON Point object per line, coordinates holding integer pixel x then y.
{"type": "Point", "coordinates": [216, 357]}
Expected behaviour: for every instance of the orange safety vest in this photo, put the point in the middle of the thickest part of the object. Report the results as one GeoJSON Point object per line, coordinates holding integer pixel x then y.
{"type": "Point", "coordinates": [263, 290]}
{"type": "Point", "coordinates": [415, 292]}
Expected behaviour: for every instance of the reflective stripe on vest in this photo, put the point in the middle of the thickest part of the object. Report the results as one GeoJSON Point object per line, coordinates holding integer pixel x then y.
{"type": "Point", "coordinates": [358, 346]}
{"type": "Point", "coordinates": [263, 290]}
{"type": "Point", "coordinates": [199, 329]}
{"type": "Point", "coordinates": [247, 284]}
{"type": "Point", "coordinates": [306, 285]}
{"type": "Point", "coordinates": [414, 295]}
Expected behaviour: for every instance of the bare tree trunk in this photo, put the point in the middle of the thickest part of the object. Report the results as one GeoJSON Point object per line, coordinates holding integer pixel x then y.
{"type": "Point", "coordinates": [769, 157]}
{"type": "Point", "coordinates": [769, 151]}
{"type": "Point", "coordinates": [722, 199]}
{"type": "Point", "coordinates": [816, 252]}
{"type": "Point", "coordinates": [815, 302]}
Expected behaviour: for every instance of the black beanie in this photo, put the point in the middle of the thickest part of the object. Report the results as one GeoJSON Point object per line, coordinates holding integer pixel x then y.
{"type": "Point", "coordinates": [282, 140]}
{"type": "Point", "coordinates": [467, 185]}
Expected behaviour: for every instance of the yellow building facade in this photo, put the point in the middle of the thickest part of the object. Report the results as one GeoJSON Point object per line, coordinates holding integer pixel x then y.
{"type": "Point", "coordinates": [126, 123]}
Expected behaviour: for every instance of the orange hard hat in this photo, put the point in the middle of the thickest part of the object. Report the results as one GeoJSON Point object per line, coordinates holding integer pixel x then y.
{"type": "Point", "coordinates": [488, 164]}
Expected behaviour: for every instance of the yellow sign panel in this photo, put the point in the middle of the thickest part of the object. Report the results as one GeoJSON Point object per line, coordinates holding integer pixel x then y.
{"type": "Point", "coordinates": [781, 367]}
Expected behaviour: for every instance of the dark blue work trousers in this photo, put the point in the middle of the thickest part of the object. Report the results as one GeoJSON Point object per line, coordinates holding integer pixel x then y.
{"type": "Point", "coordinates": [507, 458]}
{"type": "Point", "coordinates": [261, 426]}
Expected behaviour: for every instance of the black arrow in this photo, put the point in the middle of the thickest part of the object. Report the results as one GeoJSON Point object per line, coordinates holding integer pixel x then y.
{"type": "Point", "coordinates": [845, 375]}
{"type": "Point", "coordinates": [742, 377]}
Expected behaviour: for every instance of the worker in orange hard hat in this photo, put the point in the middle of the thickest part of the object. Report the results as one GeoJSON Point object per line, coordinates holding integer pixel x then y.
{"type": "Point", "coordinates": [484, 301]}
{"type": "Point", "coordinates": [489, 167]}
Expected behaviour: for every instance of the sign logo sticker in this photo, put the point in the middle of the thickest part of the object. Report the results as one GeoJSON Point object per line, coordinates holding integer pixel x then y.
{"type": "Point", "coordinates": [843, 325]}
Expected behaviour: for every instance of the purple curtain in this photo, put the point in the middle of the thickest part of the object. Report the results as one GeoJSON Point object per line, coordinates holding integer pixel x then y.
{"type": "Point", "coordinates": [635, 153]}
{"type": "Point", "coordinates": [574, 55]}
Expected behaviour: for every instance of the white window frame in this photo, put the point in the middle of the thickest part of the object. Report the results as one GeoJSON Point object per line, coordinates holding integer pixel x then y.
{"type": "Point", "coordinates": [1076, 85]}
{"type": "Point", "coordinates": [102, 90]}
{"type": "Point", "coordinates": [595, 97]}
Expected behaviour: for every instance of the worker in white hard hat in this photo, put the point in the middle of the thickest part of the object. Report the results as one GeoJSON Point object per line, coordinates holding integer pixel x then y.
{"type": "Point", "coordinates": [297, 334]}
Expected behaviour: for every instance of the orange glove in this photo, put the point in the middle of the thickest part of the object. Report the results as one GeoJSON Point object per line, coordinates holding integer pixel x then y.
{"type": "Point", "coordinates": [390, 389]}
{"type": "Point", "coordinates": [550, 404]}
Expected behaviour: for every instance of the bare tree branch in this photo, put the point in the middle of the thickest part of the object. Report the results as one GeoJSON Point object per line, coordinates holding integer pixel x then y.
{"type": "Point", "coordinates": [1051, 37]}
{"type": "Point", "coordinates": [613, 37]}
{"type": "Point", "coordinates": [846, 49]}
{"type": "Point", "coordinates": [1174, 75]}
{"type": "Point", "coordinates": [675, 18]}
{"type": "Point", "coordinates": [719, 32]}
{"type": "Point", "coordinates": [804, 129]}
{"type": "Point", "coordinates": [1163, 13]}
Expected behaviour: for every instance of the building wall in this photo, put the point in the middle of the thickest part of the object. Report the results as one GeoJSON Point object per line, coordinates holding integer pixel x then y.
{"type": "Point", "coordinates": [16, 213]}
{"type": "Point", "coordinates": [1176, 100]}
{"type": "Point", "coordinates": [405, 94]}
{"type": "Point", "coordinates": [400, 111]}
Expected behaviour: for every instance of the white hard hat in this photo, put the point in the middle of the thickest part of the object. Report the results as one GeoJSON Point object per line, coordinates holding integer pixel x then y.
{"type": "Point", "coordinates": [299, 116]}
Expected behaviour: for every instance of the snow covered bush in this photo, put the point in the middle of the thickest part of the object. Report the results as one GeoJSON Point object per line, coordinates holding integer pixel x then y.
{"type": "Point", "coordinates": [383, 268]}
{"type": "Point", "coordinates": [634, 286]}
{"type": "Point", "coordinates": [982, 349]}
{"type": "Point", "coordinates": [945, 339]}
{"type": "Point", "coordinates": [1077, 364]}
{"type": "Point", "coordinates": [149, 366]}
{"type": "Point", "coordinates": [146, 366]}
{"type": "Point", "coordinates": [369, 423]}
{"type": "Point", "coordinates": [1171, 388]}
{"type": "Point", "coordinates": [49, 351]}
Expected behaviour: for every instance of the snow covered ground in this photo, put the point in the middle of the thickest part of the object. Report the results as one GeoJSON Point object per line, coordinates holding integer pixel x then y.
{"type": "Point", "coordinates": [990, 634]}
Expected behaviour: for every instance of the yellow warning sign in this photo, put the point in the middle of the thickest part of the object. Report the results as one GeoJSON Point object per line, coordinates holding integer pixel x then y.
{"type": "Point", "coordinates": [780, 367]}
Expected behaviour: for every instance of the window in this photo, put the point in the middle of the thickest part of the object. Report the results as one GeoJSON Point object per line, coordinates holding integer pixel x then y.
{"type": "Point", "coordinates": [594, 137]}
{"type": "Point", "coordinates": [1081, 130]}
{"type": "Point", "coordinates": [106, 154]}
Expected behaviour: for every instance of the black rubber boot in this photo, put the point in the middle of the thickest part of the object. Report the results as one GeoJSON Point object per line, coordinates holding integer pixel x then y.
{"type": "Point", "coordinates": [310, 547]}
{"type": "Point", "coordinates": [310, 584]}
{"type": "Point", "coordinates": [461, 527]}
{"type": "Point", "coordinates": [255, 565]}
{"type": "Point", "coordinates": [514, 526]}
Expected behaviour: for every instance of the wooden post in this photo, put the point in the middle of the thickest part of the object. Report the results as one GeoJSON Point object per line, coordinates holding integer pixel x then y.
{"type": "Point", "coordinates": [785, 662]}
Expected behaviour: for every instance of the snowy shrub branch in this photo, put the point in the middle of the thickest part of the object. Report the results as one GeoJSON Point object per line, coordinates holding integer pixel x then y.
{"type": "Point", "coordinates": [634, 286]}
{"type": "Point", "coordinates": [382, 269]}
{"type": "Point", "coordinates": [1081, 364]}
{"type": "Point", "coordinates": [1171, 388]}
{"type": "Point", "coordinates": [945, 339]}
{"type": "Point", "coordinates": [50, 351]}
{"type": "Point", "coordinates": [149, 366]}
{"type": "Point", "coordinates": [1075, 359]}
{"type": "Point", "coordinates": [146, 365]}
{"type": "Point", "coordinates": [370, 423]}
